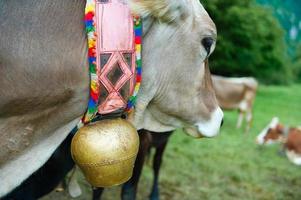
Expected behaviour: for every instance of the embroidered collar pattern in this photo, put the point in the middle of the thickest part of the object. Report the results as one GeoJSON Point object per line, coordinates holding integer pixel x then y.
{"type": "Point", "coordinates": [90, 24]}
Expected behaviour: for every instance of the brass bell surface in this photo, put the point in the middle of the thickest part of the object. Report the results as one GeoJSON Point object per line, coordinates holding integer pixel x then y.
{"type": "Point", "coordinates": [106, 151]}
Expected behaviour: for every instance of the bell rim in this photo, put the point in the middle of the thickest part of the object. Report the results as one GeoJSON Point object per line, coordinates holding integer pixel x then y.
{"type": "Point", "coordinates": [107, 162]}
{"type": "Point", "coordinates": [122, 181]}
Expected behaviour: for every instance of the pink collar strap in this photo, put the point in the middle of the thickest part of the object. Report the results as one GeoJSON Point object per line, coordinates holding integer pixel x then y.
{"type": "Point", "coordinates": [114, 40]}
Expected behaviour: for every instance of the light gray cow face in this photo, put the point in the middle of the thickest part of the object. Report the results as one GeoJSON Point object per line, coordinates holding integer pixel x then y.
{"type": "Point", "coordinates": [176, 90]}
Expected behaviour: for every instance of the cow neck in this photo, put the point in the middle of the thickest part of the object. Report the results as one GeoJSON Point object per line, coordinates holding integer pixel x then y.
{"type": "Point", "coordinates": [114, 56]}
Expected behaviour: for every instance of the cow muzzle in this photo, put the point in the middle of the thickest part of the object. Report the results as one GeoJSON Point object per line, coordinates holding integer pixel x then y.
{"type": "Point", "coordinates": [208, 128]}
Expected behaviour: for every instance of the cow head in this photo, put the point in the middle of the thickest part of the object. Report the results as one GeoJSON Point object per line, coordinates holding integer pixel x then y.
{"type": "Point", "coordinates": [176, 90]}
{"type": "Point", "coordinates": [271, 134]}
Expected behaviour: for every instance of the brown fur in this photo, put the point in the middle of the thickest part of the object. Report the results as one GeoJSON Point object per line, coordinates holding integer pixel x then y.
{"type": "Point", "coordinates": [293, 142]}
{"type": "Point", "coordinates": [44, 72]}
{"type": "Point", "coordinates": [274, 133]}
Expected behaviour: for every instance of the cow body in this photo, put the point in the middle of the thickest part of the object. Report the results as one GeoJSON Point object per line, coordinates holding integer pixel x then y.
{"type": "Point", "coordinates": [292, 146]}
{"type": "Point", "coordinates": [44, 85]}
{"type": "Point", "coordinates": [236, 93]}
{"type": "Point", "coordinates": [45, 179]}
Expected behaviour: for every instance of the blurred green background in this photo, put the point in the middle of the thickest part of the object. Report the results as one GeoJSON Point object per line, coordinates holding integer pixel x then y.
{"type": "Point", "coordinates": [257, 38]}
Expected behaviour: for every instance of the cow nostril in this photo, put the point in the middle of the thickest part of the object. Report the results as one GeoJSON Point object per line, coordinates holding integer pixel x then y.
{"type": "Point", "coordinates": [222, 123]}
{"type": "Point", "coordinates": [207, 43]}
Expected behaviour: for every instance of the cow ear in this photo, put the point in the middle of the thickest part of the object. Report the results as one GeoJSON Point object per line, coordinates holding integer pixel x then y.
{"type": "Point", "coordinates": [163, 10]}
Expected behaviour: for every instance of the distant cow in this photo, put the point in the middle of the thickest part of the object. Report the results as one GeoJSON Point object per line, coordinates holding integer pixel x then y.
{"type": "Point", "coordinates": [289, 136]}
{"type": "Point", "coordinates": [236, 93]}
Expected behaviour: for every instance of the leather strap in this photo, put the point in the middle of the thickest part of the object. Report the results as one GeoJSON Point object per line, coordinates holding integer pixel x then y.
{"type": "Point", "coordinates": [115, 55]}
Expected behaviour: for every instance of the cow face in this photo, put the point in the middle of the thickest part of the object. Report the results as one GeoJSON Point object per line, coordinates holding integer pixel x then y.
{"type": "Point", "coordinates": [176, 90]}
{"type": "Point", "coordinates": [272, 133]}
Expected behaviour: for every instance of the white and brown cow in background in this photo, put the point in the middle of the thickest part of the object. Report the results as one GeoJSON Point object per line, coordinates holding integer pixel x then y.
{"type": "Point", "coordinates": [236, 93]}
{"type": "Point", "coordinates": [290, 137]}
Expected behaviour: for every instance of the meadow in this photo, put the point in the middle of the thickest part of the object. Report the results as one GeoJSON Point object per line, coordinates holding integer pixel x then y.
{"type": "Point", "coordinates": [230, 166]}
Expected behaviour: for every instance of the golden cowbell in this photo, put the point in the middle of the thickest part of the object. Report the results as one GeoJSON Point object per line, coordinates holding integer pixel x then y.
{"type": "Point", "coordinates": [106, 151]}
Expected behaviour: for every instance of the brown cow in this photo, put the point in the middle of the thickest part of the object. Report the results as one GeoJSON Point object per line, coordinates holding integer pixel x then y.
{"type": "Point", "coordinates": [236, 93]}
{"type": "Point", "coordinates": [289, 136]}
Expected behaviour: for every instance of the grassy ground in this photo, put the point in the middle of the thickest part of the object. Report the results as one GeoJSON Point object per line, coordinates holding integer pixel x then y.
{"type": "Point", "coordinates": [230, 166]}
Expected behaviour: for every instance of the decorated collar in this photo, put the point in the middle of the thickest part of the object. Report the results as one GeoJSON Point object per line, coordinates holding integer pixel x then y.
{"type": "Point", "coordinates": [110, 56]}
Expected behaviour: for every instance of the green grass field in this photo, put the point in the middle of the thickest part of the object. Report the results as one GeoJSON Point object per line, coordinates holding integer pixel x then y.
{"type": "Point", "coordinates": [230, 166]}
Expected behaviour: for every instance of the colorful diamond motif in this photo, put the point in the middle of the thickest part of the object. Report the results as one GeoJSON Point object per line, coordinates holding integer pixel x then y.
{"type": "Point", "coordinates": [114, 75]}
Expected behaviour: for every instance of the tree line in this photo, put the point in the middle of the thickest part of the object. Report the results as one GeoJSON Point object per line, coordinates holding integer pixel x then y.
{"type": "Point", "coordinates": [251, 42]}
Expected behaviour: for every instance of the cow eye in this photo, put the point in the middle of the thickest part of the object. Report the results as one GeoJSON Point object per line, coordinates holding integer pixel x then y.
{"type": "Point", "coordinates": [207, 43]}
